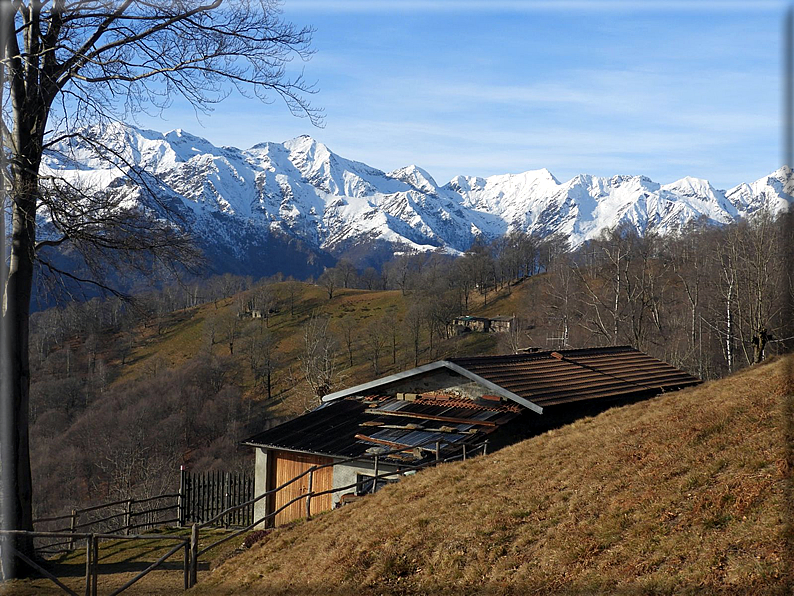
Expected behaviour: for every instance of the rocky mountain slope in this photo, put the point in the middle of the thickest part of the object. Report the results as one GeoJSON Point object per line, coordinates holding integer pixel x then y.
{"type": "Point", "coordinates": [298, 198]}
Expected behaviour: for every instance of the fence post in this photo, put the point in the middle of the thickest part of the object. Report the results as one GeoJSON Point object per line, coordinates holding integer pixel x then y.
{"type": "Point", "coordinates": [88, 548]}
{"type": "Point", "coordinates": [95, 563]}
{"type": "Point", "coordinates": [225, 497]}
{"type": "Point", "coordinates": [438, 449]}
{"type": "Point", "coordinates": [187, 565]}
{"type": "Point", "coordinates": [72, 528]}
{"type": "Point", "coordinates": [128, 517]}
{"type": "Point", "coordinates": [181, 497]}
{"type": "Point", "coordinates": [194, 543]}
{"type": "Point", "coordinates": [485, 447]}
{"type": "Point", "coordinates": [375, 479]}
{"type": "Point", "coordinates": [309, 494]}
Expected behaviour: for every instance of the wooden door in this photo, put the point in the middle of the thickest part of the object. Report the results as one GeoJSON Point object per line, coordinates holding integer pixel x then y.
{"type": "Point", "coordinates": [288, 465]}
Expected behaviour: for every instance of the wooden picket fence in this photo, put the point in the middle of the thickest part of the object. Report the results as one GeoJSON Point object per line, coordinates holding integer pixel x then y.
{"type": "Point", "coordinates": [206, 494]}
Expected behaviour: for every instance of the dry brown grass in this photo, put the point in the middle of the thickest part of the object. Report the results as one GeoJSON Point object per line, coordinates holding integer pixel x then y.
{"type": "Point", "coordinates": [685, 493]}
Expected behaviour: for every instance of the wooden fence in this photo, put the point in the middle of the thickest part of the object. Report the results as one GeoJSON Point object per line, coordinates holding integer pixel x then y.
{"type": "Point", "coordinates": [127, 516]}
{"type": "Point", "coordinates": [205, 499]}
{"type": "Point", "coordinates": [201, 497]}
{"type": "Point", "coordinates": [207, 494]}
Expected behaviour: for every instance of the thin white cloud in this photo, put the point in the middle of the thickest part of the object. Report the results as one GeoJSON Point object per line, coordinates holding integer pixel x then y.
{"type": "Point", "coordinates": [494, 6]}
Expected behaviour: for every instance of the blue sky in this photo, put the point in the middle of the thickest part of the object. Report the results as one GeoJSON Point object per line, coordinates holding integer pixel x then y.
{"type": "Point", "coordinates": [663, 89]}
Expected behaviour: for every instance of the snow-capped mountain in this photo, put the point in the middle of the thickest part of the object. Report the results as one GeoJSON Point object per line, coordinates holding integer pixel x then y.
{"type": "Point", "coordinates": [301, 202]}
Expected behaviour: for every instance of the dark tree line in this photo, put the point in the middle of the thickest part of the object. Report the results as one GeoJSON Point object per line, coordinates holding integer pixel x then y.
{"type": "Point", "coordinates": [94, 446]}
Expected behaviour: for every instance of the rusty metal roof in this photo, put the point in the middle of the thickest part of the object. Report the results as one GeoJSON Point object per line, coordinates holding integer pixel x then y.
{"type": "Point", "coordinates": [558, 377]}
{"type": "Point", "coordinates": [437, 398]}
{"type": "Point", "coordinates": [350, 427]}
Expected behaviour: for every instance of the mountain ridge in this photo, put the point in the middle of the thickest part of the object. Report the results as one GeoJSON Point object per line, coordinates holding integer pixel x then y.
{"type": "Point", "coordinates": [302, 191]}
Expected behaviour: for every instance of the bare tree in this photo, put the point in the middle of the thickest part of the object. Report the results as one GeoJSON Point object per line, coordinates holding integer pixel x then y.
{"type": "Point", "coordinates": [726, 263]}
{"type": "Point", "coordinates": [66, 64]}
{"type": "Point", "coordinates": [604, 285]}
{"type": "Point", "coordinates": [413, 322]}
{"type": "Point", "coordinates": [318, 360]}
{"type": "Point", "coordinates": [463, 274]}
{"type": "Point", "coordinates": [347, 272]}
{"type": "Point", "coordinates": [348, 326]}
{"type": "Point", "coordinates": [689, 263]}
{"type": "Point", "coordinates": [231, 323]}
{"type": "Point", "coordinates": [400, 272]}
{"type": "Point", "coordinates": [265, 299]}
{"type": "Point", "coordinates": [262, 350]}
{"type": "Point", "coordinates": [376, 340]}
{"type": "Point", "coordinates": [517, 335]}
{"type": "Point", "coordinates": [761, 270]}
{"type": "Point", "coordinates": [560, 300]}
{"type": "Point", "coordinates": [293, 290]}
{"type": "Point", "coordinates": [370, 278]}
{"type": "Point", "coordinates": [329, 281]}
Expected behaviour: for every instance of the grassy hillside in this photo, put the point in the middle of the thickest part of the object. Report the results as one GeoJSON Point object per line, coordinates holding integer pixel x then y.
{"type": "Point", "coordinates": [183, 335]}
{"type": "Point", "coordinates": [685, 493]}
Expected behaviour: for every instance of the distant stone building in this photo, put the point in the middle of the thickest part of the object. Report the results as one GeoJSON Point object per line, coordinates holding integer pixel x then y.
{"type": "Point", "coordinates": [467, 324]}
{"type": "Point", "coordinates": [502, 324]}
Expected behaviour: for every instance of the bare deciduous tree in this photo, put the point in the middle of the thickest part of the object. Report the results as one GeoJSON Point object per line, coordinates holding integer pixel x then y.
{"type": "Point", "coordinates": [262, 349]}
{"type": "Point", "coordinates": [561, 294]}
{"type": "Point", "coordinates": [370, 278]}
{"type": "Point", "coordinates": [318, 360]}
{"type": "Point", "coordinates": [329, 280]}
{"type": "Point", "coordinates": [376, 340]}
{"type": "Point", "coordinates": [69, 63]}
{"type": "Point", "coordinates": [347, 272]}
{"type": "Point", "coordinates": [293, 289]}
{"type": "Point", "coordinates": [348, 326]}
{"type": "Point", "coordinates": [413, 322]}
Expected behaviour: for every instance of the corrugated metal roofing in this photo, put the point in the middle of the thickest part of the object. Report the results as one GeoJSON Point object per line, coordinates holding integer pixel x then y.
{"type": "Point", "coordinates": [554, 378]}
{"type": "Point", "coordinates": [341, 428]}
{"type": "Point", "coordinates": [462, 402]}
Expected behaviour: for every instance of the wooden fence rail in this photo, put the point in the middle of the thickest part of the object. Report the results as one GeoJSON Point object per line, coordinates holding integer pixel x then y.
{"type": "Point", "coordinates": [115, 517]}
{"type": "Point", "coordinates": [92, 542]}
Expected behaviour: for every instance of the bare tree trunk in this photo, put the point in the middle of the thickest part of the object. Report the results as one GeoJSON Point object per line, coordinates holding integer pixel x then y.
{"type": "Point", "coordinates": [616, 312]}
{"type": "Point", "coordinates": [729, 327]}
{"type": "Point", "coordinates": [16, 327]}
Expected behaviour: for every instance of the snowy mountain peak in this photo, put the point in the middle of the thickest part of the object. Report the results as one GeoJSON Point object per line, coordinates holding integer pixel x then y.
{"type": "Point", "coordinates": [417, 177]}
{"type": "Point", "coordinates": [305, 144]}
{"type": "Point", "coordinates": [545, 173]}
{"type": "Point", "coordinates": [692, 185]}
